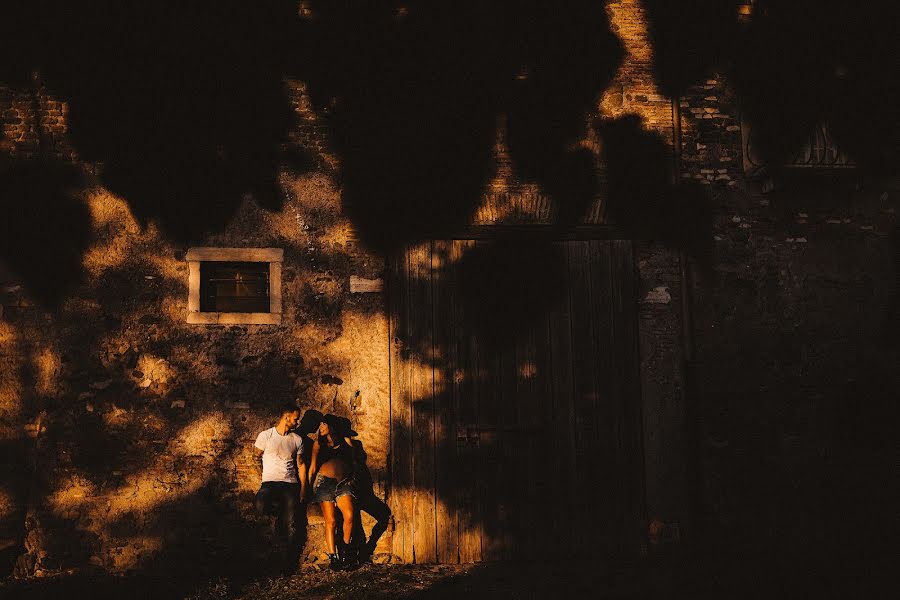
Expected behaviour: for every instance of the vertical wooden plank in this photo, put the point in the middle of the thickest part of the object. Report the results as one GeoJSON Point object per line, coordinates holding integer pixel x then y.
{"type": "Point", "coordinates": [447, 476]}
{"type": "Point", "coordinates": [422, 392]}
{"type": "Point", "coordinates": [510, 462]}
{"type": "Point", "coordinates": [530, 507]}
{"type": "Point", "coordinates": [586, 392]}
{"type": "Point", "coordinates": [542, 462]}
{"type": "Point", "coordinates": [488, 370]}
{"type": "Point", "coordinates": [561, 444]}
{"type": "Point", "coordinates": [626, 394]}
{"type": "Point", "coordinates": [469, 516]}
{"type": "Point", "coordinates": [604, 319]}
{"type": "Point", "coordinates": [401, 497]}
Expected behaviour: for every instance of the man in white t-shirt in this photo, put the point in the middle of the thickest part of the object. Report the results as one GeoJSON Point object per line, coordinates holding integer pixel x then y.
{"type": "Point", "coordinates": [284, 475]}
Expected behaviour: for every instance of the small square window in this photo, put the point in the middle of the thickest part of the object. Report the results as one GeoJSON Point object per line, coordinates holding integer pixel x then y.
{"type": "Point", "coordinates": [234, 285]}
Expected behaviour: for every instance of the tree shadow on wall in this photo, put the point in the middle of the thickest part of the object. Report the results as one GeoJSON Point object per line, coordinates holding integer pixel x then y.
{"type": "Point", "coordinates": [794, 64]}
{"type": "Point", "coordinates": [891, 333]}
{"type": "Point", "coordinates": [181, 106]}
{"type": "Point", "coordinates": [642, 198]}
{"type": "Point", "coordinates": [119, 439]}
{"type": "Point", "coordinates": [412, 94]}
{"type": "Point", "coordinates": [45, 228]}
{"type": "Point", "coordinates": [690, 40]}
{"type": "Point", "coordinates": [519, 337]}
{"type": "Point", "coordinates": [468, 490]}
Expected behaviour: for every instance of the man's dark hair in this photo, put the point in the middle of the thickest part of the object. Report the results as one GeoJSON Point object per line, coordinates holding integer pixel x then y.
{"type": "Point", "coordinates": [288, 408]}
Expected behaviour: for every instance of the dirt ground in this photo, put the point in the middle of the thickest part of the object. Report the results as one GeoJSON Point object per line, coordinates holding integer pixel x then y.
{"type": "Point", "coordinates": [375, 582]}
{"type": "Point", "coordinates": [683, 577]}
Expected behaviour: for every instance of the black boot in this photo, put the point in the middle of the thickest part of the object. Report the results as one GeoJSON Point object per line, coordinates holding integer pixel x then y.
{"type": "Point", "coordinates": [366, 552]}
{"type": "Point", "coordinates": [336, 564]}
{"type": "Point", "coordinates": [349, 557]}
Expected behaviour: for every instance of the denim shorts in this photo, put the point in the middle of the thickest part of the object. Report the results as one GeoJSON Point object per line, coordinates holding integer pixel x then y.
{"type": "Point", "coordinates": [329, 489]}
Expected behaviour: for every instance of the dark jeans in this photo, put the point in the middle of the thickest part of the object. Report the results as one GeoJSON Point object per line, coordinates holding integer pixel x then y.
{"type": "Point", "coordinates": [281, 499]}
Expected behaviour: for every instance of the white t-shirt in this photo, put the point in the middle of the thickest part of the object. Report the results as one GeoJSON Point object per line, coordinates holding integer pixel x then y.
{"type": "Point", "coordinates": [278, 455]}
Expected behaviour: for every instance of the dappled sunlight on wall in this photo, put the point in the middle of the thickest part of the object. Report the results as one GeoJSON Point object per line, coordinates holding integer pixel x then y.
{"type": "Point", "coordinates": [118, 239]}
{"type": "Point", "coordinates": [79, 499]}
{"type": "Point", "coordinates": [146, 420]}
{"type": "Point", "coordinates": [10, 386]}
{"type": "Point", "coordinates": [508, 199]}
{"type": "Point", "coordinates": [634, 90]}
{"type": "Point", "coordinates": [47, 369]}
{"type": "Point", "coordinates": [312, 203]}
{"type": "Point", "coordinates": [7, 504]}
{"type": "Point", "coordinates": [138, 550]}
{"type": "Point", "coordinates": [71, 492]}
{"type": "Point", "coordinates": [199, 436]}
{"type": "Point", "coordinates": [157, 371]}
{"type": "Point", "coordinates": [338, 235]}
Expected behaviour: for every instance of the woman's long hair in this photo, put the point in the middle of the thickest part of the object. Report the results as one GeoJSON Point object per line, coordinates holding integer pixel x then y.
{"type": "Point", "coordinates": [336, 430]}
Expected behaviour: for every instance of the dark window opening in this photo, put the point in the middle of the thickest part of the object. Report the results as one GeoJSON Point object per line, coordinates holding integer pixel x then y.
{"type": "Point", "coordinates": [234, 287]}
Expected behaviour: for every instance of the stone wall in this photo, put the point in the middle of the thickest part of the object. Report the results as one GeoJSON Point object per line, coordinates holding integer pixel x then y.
{"type": "Point", "coordinates": [795, 346]}
{"type": "Point", "coordinates": [130, 431]}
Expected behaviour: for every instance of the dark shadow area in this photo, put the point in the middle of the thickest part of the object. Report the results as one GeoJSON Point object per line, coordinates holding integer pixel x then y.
{"type": "Point", "coordinates": [799, 64]}
{"type": "Point", "coordinates": [369, 503]}
{"type": "Point", "coordinates": [642, 197]}
{"type": "Point", "coordinates": [14, 473]}
{"type": "Point", "coordinates": [546, 579]}
{"type": "Point", "coordinates": [208, 542]}
{"type": "Point", "coordinates": [181, 106]}
{"type": "Point", "coordinates": [794, 64]}
{"type": "Point", "coordinates": [891, 331]}
{"type": "Point", "coordinates": [690, 40]}
{"type": "Point", "coordinates": [681, 577]}
{"type": "Point", "coordinates": [506, 287]}
{"type": "Point", "coordinates": [45, 227]}
{"type": "Point", "coordinates": [101, 587]}
{"type": "Point", "coordinates": [412, 96]}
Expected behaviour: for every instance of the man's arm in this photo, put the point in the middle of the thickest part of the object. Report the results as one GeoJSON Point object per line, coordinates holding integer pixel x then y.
{"type": "Point", "coordinates": [259, 447]}
{"type": "Point", "coordinates": [257, 461]}
{"type": "Point", "coordinates": [301, 473]}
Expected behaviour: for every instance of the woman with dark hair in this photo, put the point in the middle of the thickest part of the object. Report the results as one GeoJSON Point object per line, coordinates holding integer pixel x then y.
{"type": "Point", "coordinates": [331, 469]}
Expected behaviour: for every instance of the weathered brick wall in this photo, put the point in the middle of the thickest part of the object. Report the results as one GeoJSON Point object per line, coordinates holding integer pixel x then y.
{"type": "Point", "coordinates": [710, 135]}
{"type": "Point", "coordinates": [27, 116]}
{"type": "Point", "coordinates": [634, 90]}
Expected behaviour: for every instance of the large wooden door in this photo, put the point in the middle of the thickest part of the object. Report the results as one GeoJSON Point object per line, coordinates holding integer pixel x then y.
{"type": "Point", "coordinates": [524, 447]}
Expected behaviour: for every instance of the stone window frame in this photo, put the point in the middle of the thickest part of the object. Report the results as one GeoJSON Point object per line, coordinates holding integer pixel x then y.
{"type": "Point", "coordinates": [273, 256]}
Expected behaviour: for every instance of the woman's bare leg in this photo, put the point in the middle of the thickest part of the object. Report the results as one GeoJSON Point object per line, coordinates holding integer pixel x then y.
{"type": "Point", "coordinates": [345, 503]}
{"type": "Point", "coordinates": [328, 515]}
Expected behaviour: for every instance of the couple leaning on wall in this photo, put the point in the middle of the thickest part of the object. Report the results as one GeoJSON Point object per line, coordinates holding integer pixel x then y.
{"type": "Point", "coordinates": [315, 459]}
